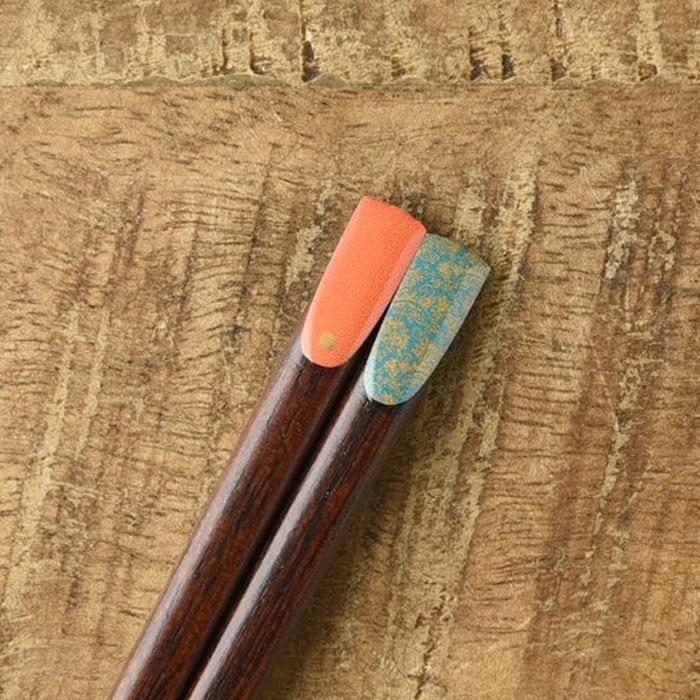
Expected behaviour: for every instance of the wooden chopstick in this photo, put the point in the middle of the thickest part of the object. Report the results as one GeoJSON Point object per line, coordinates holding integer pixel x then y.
{"type": "Point", "coordinates": [428, 309]}
{"type": "Point", "coordinates": [362, 276]}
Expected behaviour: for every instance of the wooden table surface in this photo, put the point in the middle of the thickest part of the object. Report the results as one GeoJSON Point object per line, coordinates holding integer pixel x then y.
{"type": "Point", "coordinates": [172, 182]}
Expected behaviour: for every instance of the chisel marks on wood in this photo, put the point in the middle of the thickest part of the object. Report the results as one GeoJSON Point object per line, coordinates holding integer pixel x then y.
{"type": "Point", "coordinates": [438, 42]}
{"type": "Point", "coordinates": [478, 412]}
{"type": "Point", "coordinates": [623, 231]}
{"type": "Point", "coordinates": [649, 55]}
{"type": "Point", "coordinates": [94, 382]}
{"type": "Point", "coordinates": [36, 485]}
{"type": "Point", "coordinates": [609, 457]}
{"type": "Point", "coordinates": [559, 57]}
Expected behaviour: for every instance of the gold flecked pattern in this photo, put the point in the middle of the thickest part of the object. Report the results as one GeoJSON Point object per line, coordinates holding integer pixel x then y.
{"type": "Point", "coordinates": [430, 305]}
{"type": "Point", "coordinates": [328, 340]}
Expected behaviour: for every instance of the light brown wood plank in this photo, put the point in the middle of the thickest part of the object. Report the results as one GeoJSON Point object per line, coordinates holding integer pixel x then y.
{"type": "Point", "coordinates": [116, 42]}
{"type": "Point", "coordinates": [377, 42]}
{"type": "Point", "coordinates": [534, 534]}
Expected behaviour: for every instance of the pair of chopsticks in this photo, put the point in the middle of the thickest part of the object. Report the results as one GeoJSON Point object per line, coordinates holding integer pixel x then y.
{"type": "Point", "coordinates": [322, 429]}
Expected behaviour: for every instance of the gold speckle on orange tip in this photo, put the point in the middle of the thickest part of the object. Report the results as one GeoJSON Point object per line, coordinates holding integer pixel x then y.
{"type": "Point", "coordinates": [328, 340]}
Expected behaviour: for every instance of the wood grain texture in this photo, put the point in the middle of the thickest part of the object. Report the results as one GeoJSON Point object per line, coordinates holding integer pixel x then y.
{"type": "Point", "coordinates": [345, 466]}
{"type": "Point", "coordinates": [370, 41]}
{"type": "Point", "coordinates": [534, 536]}
{"type": "Point", "coordinates": [272, 454]}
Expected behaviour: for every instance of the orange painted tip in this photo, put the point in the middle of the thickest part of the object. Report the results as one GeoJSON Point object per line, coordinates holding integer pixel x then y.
{"type": "Point", "coordinates": [365, 270]}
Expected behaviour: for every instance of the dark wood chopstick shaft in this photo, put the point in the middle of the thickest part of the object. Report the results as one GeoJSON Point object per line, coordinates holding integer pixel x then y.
{"type": "Point", "coordinates": [319, 513]}
{"type": "Point", "coordinates": [273, 451]}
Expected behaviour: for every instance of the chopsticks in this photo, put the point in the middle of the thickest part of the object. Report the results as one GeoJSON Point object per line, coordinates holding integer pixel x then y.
{"type": "Point", "coordinates": [366, 268]}
{"type": "Point", "coordinates": [430, 306]}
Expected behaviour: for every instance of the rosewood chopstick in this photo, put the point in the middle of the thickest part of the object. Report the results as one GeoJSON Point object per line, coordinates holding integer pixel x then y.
{"type": "Point", "coordinates": [430, 306]}
{"type": "Point", "coordinates": [366, 268]}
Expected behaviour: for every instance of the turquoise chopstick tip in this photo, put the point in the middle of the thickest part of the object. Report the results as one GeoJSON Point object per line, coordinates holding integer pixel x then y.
{"type": "Point", "coordinates": [430, 305]}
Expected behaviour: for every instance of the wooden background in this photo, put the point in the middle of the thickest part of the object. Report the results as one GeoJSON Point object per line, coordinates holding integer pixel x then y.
{"type": "Point", "coordinates": [173, 178]}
